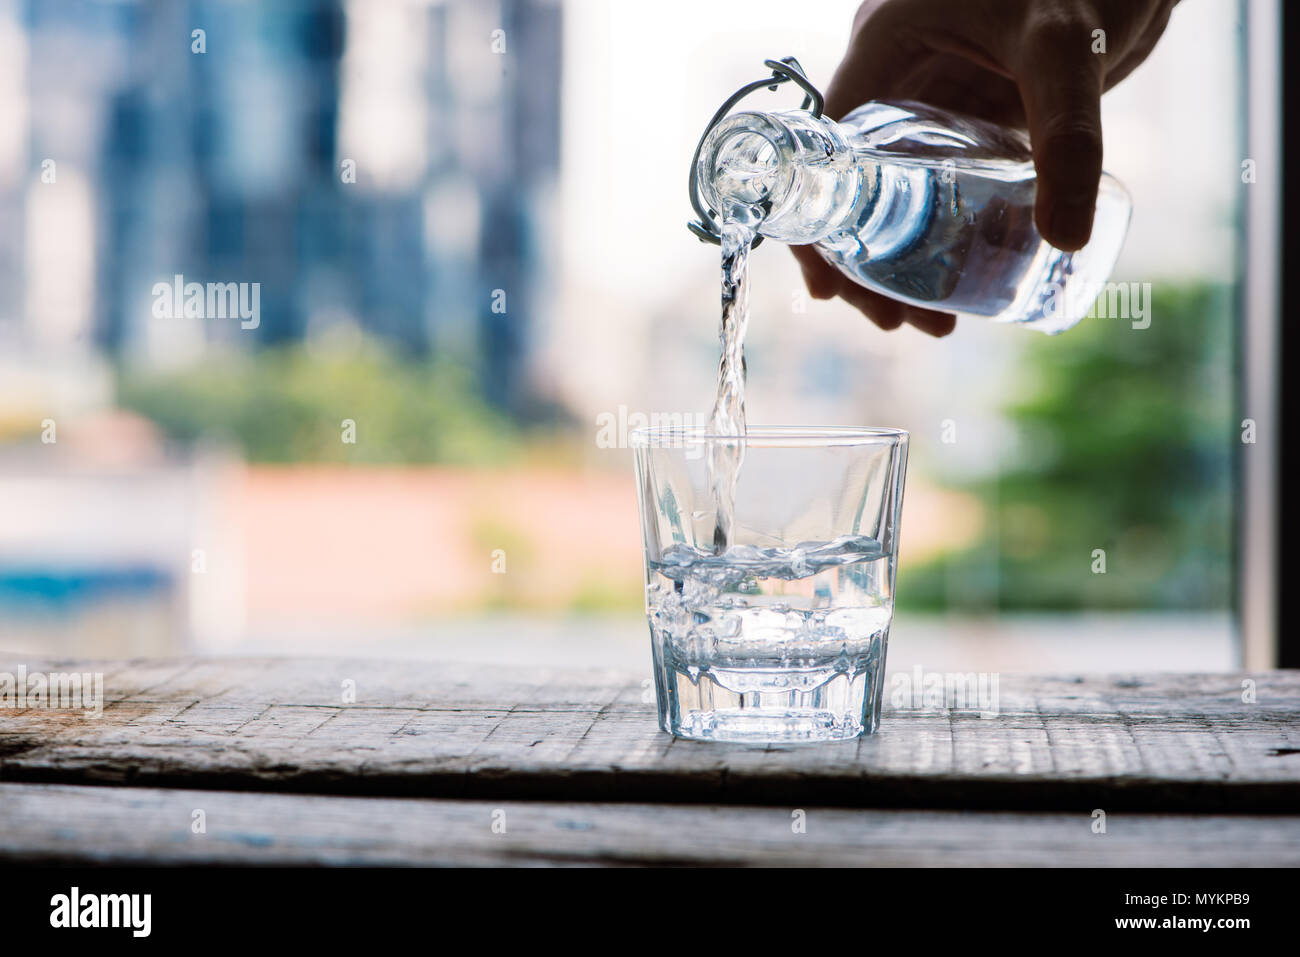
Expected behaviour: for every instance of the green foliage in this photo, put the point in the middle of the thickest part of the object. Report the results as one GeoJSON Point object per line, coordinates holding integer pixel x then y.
{"type": "Point", "coordinates": [1126, 439]}
{"type": "Point", "coordinates": [289, 404]}
{"type": "Point", "coordinates": [599, 595]}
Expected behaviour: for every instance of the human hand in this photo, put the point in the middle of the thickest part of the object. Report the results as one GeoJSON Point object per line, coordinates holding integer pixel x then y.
{"type": "Point", "coordinates": [1025, 63]}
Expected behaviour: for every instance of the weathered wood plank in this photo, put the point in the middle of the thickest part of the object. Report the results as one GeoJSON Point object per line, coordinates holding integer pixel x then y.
{"type": "Point", "coordinates": [89, 825]}
{"type": "Point", "coordinates": [1171, 742]}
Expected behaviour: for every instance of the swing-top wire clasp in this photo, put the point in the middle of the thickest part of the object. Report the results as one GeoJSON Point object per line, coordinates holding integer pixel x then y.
{"type": "Point", "coordinates": [786, 70]}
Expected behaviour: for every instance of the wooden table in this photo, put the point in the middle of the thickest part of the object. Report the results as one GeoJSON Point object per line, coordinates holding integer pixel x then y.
{"type": "Point", "coordinates": [457, 764]}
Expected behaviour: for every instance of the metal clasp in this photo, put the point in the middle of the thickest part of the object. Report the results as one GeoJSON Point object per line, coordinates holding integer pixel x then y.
{"type": "Point", "coordinates": [707, 228]}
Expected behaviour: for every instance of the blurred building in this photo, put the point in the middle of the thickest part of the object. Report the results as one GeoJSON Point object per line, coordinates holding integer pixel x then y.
{"type": "Point", "coordinates": [382, 166]}
{"type": "Point", "coordinates": [385, 165]}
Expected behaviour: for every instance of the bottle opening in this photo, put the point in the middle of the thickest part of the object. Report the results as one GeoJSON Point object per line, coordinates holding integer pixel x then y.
{"type": "Point", "coordinates": [792, 169]}
{"type": "Point", "coordinates": [745, 164]}
{"type": "Point", "coordinates": [746, 168]}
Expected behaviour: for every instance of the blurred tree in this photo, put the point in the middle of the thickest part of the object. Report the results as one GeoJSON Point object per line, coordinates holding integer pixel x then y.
{"type": "Point", "coordinates": [289, 404]}
{"type": "Point", "coordinates": [1125, 456]}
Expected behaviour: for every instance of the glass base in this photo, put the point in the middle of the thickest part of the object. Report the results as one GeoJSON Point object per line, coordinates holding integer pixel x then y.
{"type": "Point", "coordinates": [773, 705]}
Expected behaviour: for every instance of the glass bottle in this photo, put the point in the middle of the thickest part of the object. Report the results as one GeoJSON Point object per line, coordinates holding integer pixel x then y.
{"type": "Point", "coordinates": [920, 204]}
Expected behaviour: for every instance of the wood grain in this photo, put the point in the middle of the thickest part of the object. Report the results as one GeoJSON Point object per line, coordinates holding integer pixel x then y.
{"type": "Point", "coordinates": [1072, 743]}
{"type": "Point", "coordinates": [58, 824]}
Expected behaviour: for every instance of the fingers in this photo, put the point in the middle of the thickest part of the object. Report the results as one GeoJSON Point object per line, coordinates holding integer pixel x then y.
{"type": "Point", "coordinates": [890, 314]}
{"type": "Point", "coordinates": [1060, 81]}
{"type": "Point", "coordinates": [897, 44]}
{"type": "Point", "coordinates": [937, 324]}
{"type": "Point", "coordinates": [821, 278]}
{"type": "Point", "coordinates": [1151, 32]}
{"type": "Point", "coordinates": [957, 83]}
{"type": "Point", "coordinates": [894, 43]}
{"type": "Point", "coordinates": [881, 49]}
{"type": "Point", "coordinates": [825, 282]}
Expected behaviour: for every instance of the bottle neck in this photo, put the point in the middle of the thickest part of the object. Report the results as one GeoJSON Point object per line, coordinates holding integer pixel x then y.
{"type": "Point", "coordinates": [797, 169]}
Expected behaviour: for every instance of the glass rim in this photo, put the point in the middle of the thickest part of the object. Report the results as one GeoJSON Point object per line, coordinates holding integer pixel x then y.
{"type": "Point", "coordinates": [771, 436]}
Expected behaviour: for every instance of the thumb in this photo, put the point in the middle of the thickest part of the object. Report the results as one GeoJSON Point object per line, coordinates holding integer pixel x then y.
{"type": "Point", "coordinates": [1060, 83]}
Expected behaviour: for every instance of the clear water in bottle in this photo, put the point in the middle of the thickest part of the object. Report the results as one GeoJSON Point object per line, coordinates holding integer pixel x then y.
{"type": "Point", "coordinates": [924, 206]}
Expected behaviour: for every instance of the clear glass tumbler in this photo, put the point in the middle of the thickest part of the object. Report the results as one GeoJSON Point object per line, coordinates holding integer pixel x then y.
{"type": "Point", "coordinates": [780, 633]}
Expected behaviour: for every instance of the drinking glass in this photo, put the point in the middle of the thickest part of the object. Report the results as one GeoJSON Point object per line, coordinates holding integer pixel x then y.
{"type": "Point", "coordinates": [775, 630]}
